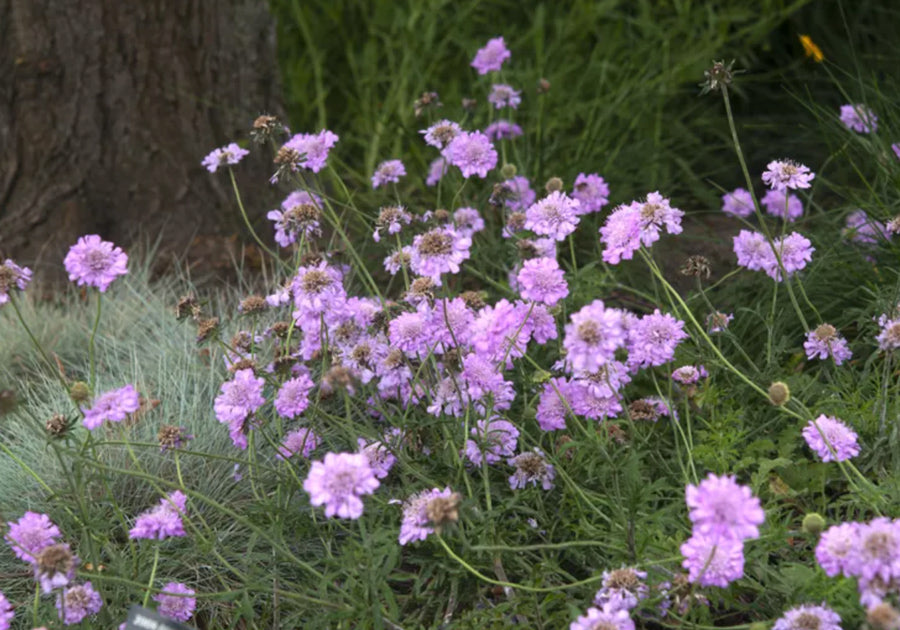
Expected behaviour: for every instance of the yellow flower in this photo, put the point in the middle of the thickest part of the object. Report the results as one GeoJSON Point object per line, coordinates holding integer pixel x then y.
{"type": "Point", "coordinates": [810, 48]}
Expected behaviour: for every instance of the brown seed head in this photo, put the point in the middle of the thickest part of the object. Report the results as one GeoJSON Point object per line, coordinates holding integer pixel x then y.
{"type": "Point", "coordinates": [527, 249]}
{"type": "Point", "coordinates": [207, 328]}
{"type": "Point", "coordinates": [642, 410]}
{"type": "Point", "coordinates": [473, 299]}
{"type": "Point", "coordinates": [543, 86]}
{"type": "Point", "coordinates": [170, 436]}
{"type": "Point", "coordinates": [883, 617]}
{"type": "Point", "coordinates": [315, 280]}
{"type": "Point", "coordinates": [436, 243]}
{"type": "Point", "coordinates": [187, 306]}
{"type": "Point", "coordinates": [57, 425]}
{"type": "Point", "coordinates": [516, 222]}
{"type": "Point", "coordinates": [696, 266]}
{"type": "Point", "coordinates": [280, 329]}
{"type": "Point", "coordinates": [426, 101]}
{"type": "Point", "coordinates": [825, 332]}
{"type": "Point", "coordinates": [469, 104]}
{"type": "Point", "coordinates": [55, 560]}
{"type": "Point", "coordinates": [242, 364]}
{"type": "Point", "coordinates": [442, 511]}
{"type": "Point", "coordinates": [441, 216]}
{"type": "Point", "coordinates": [253, 304]}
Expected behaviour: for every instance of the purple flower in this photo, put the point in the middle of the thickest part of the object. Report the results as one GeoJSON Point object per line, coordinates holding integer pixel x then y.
{"type": "Point", "coordinates": [95, 262]}
{"type": "Point", "coordinates": [712, 561]}
{"type": "Point", "coordinates": [293, 396]}
{"type": "Point", "coordinates": [77, 602]}
{"type": "Point", "coordinates": [541, 280]}
{"type": "Point", "coordinates": [468, 221]}
{"type": "Point", "coordinates": [436, 171]}
{"type": "Point", "coordinates": [720, 508]}
{"type": "Point", "coordinates": [30, 535]}
{"type": "Point", "coordinates": [113, 406]}
{"type": "Point", "coordinates": [411, 333]}
{"type": "Point", "coordinates": [808, 616]}
{"type": "Point", "coordinates": [441, 133]}
{"type": "Point", "coordinates": [162, 521]}
{"type": "Point", "coordinates": [414, 524]}
{"type": "Point", "coordinates": [176, 601]}
{"type": "Point", "coordinates": [718, 322]}
{"type": "Point", "coordinates": [302, 441]}
{"type": "Point", "coordinates": [311, 149]}
{"type": "Point", "coordinates": [622, 589]}
{"type": "Point", "coordinates": [591, 191]}
{"type": "Point", "coordinates": [494, 440]}
{"type": "Point", "coordinates": [889, 336]}
{"type": "Point", "coordinates": [299, 214]}
{"type": "Point", "coordinates": [859, 118]}
{"type": "Point", "coordinates": [863, 229]}
{"type": "Point", "coordinates": [381, 459]}
{"type": "Point", "coordinates": [593, 335]}
{"type": "Point", "coordinates": [836, 545]}
{"type": "Point", "coordinates": [481, 379]}
{"type": "Point", "coordinates": [876, 556]}
{"type": "Point", "coordinates": [795, 251]}
{"type": "Point", "coordinates": [318, 290]}
{"type": "Point", "coordinates": [438, 251]}
{"type": "Point", "coordinates": [391, 220]}
{"type": "Point", "coordinates": [689, 374]}
{"type": "Point", "coordinates": [605, 619]}
{"type": "Point", "coordinates": [491, 57]}
{"type": "Point", "coordinates": [6, 613]}
{"type": "Point", "coordinates": [896, 149]}
{"type": "Point", "coordinates": [653, 338]}
{"type": "Point", "coordinates": [503, 95]}
{"type": "Point", "coordinates": [552, 409]}
{"type": "Point", "coordinates": [555, 215]}
{"type": "Point", "coordinates": [531, 467]}
{"type": "Point", "coordinates": [824, 342]}
{"type": "Point", "coordinates": [784, 174]}
{"type": "Point", "coordinates": [338, 482]}
{"type": "Point", "coordinates": [12, 276]}
{"type": "Point", "coordinates": [636, 224]}
{"type": "Point", "coordinates": [519, 195]}
{"type": "Point", "coordinates": [753, 251]}
{"type": "Point", "coordinates": [502, 130]}
{"type": "Point", "coordinates": [388, 172]}
{"type": "Point", "coordinates": [831, 439]}
{"type": "Point", "coordinates": [738, 202]}
{"type": "Point", "coordinates": [789, 209]}
{"type": "Point", "coordinates": [224, 156]}
{"type": "Point", "coordinates": [472, 152]}
{"type": "Point", "coordinates": [240, 397]}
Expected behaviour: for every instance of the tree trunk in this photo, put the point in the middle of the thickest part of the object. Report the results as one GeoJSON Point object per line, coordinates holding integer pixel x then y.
{"type": "Point", "coordinates": [107, 108]}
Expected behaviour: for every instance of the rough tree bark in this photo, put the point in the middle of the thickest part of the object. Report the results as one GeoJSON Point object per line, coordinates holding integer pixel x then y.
{"type": "Point", "coordinates": [107, 108]}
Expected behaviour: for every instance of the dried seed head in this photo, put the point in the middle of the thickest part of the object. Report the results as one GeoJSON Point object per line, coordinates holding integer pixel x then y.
{"type": "Point", "coordinates": [469, 104]}
{"type": "Point", "coordinates": [616, 433]}
{"type": "Point", "coordinates": [265, 127]}
{"type": "Point", "coordinates": [813, 523]}
{"type": "Point", "coordinates": [561, 442]}
{"type": "Point", "coordinates": [719, 75]}
{"type": "Point", "coordinates": [508, 171]}
{"type": "Point", "coordinates": [642, 410]}
{"type": "Point", "coordinates": [883, 617]}
{"type": "Point", "coordinates": [696, 266]}
{"type": "Point", "coordinates": [207, 328]}
{"type": "Point", "coordinates": [55, 560]}
{"type": "Point", "coordinates": [170, 436]}
{"type": "Point", "coordinates": [779, 393]}
{"type": "Point", "coordinates": [421, 288]}
{"type": "Point", "coordinates": [473, 299]}
{"type": "Point", "coordinates": [338, 377]}
{"type": "Point", "coordinates": [554, 184]}
{"type": "Point", "coordinates": [516, 222]}
{"type": "Point", "coordinates": [79, 391]}
{"type": "Point", "coordinates": [442, 511]}
{"type": "Point", "coordinates": [314, 280]}
{"type": "Point", "coordinates": [253, 304]}
{"type": "Point", "coordinates": [825, 332]}
{"type": "Point", "coordinates": [543, 86]}
{"type": "Point", "coordinates": [500, 193]}
{"type": "Point", "coordinates": [807, 621]}
{"type": "Point", "coordinates": [428, 100]}
{"type": "Point", "coordinates": [436, 243]}
{"type": "Point", "coordinates": [280, 329]}
{"type": "Point", "coordinates": [187, 306]}
{"type": "Point", "coordinates": [440, 215]}
{"type": "Point", "coordinates": [242, 341]}
{"type": "Point", "coordinates": [527, 249]}
{"type": "Point", "coordinates": [242, 364]}
{"type": "Point", "coordinates": [57, 425]}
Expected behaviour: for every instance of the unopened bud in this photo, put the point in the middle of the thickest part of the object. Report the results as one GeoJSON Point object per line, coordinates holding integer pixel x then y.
{"type": "Point", "coordinates": [79, 391]}
{"type": "Point", "coordinates": [813, 523]}
{"type": "Point", "coordinates": [554, 184]}
{"type": "Point", "coordinates": [508, 171]}
{"type": "Point", "coordinates": [779, 393]}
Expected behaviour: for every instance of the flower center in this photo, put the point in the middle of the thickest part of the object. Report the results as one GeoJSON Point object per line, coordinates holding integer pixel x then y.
{"type": "Point", "coordinates": [314, 281]}
{"type": "Point", "coordinates": [436, 244]}
{"type": "Point", "coordinates": [588, 332]}
{"type": "Point", "coordinates": [96, 260]}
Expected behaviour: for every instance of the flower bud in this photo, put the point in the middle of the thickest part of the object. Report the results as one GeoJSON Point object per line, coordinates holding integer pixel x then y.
{"type": "Point", "coordinates": [779, 393]}
{"type": "Point", "coordinates": [79, 391]}
{"type": "Point", "coordinates": [554, 184]}
{"type": "Point", "coordinates": [813, 523]}
{"type": "Point", "coordinates": [508, 171]}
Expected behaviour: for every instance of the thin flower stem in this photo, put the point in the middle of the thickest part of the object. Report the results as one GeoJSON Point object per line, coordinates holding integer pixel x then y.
{"type": "Point", "coordinates": [237, 196]}
{"type": "Point", "coordinates": [38, 346]}
{"type": "Point", "coordinates": [91, 353]}
{"type": "Point", "coordinates": [152, 576]}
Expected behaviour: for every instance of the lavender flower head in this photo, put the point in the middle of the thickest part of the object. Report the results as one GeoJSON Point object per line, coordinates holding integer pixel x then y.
{"type": "Point", "coordinates": [113, 406]}
{"type": "Point", "coordinates": [311, 149]}
{"type": "Point", "coordinates": [863, 229]}
{"type": "Point", "coordinates": [6, 613]}
{"type": "Point", "coordinates": [718, 321]}
{"type": "Point", "coordinates": [556, 215]}
{"type": "Point", "coordinates": [807, 617]}
{"type": "Point", "coordinates": [541, 280]}
{"type": "Point", "coordinates": [339, 481]}
{"type": "Point", "coordinates": [785, 174]}
{"type": "Point", "coordinates": [795, 250]}
{"type": "Point", "coordinates": [30, 535]}
{"type": "Point", "coordinates": [738, 203]}
{"type": "Point", "coordinates": [722, 509]}
{"type": "Point", "coordinates": [825, 342]}
{"type": "Point", "coordinates": [441, 133]}
{"type": "Point", "coordinates": [176, 601]}
{"type": "Point", "coordinates": [228, 155]}
{"type": "Point", "coordinates": [518, 193]}
{"type": "Point", "coordinates": [591, 191]}
{"type": "Point", "coordinates": [636, 224]}
{"type": "Point", "coordinates": [436, 171]}
{"type": "Point", "coordinates": [414, 524]}
{"type": "Point", "coordinates": [831, 439]}
{"type": "Point", "coordinates": [689, 374]}
{"type": "Point", "coordinates": [438, 251]}
{"type": "Point", "coordinates": [299, 215]}
{"type": "Point", "coordinates": [653, 338]}
{"type": "Point", "coordinates": [603, 619]}
{"type": "Point", "coordinates": [240, 397]}
{"type": "Point", "coordinates": [713, 561]}
{"type": "Point", "coordinates": [876, 557]}
{"type": "Point", "coordinates": [472, 152]}
{"type": "Point", "coordinates": [859, 118]}
{"type": "Point", "coordinates": [503, 95]}
{"type": "Point", "coordinates": [593, 335]}
{"type": "Point", "coordinates": [491, 57]}
{"type": "Point", "coordinates": [835, 546]}
{"type": "Point", "coordinates": [502, 130]}
{"type": "Point", "coordinates": [753, 251]}
{"type": "Point", "coordinates": [494, 439]}
{"type": "Point", "coordinates": [388, 172]}
{"type": "Point", "coordinates": [78, 602]}
{"type": "Point", "coordinates": [552, 406]}
{"type": "Point", "coordinates": [12, 276]}
{"type": "Point", "coordinates": [779, 204]}
{"type": "Point", "coordinates": [622, 589]}
{"type": "Point", "coordinates": [293, 396]}
{"type": "Point", "coordinates": [162, 521]}
{"type": "Point", "coordinates": [380, 457]}
{"type": "Point", "coordinates": [889, 336]}
{"type": "Point", "coordinates": [302, 441]}
{"type": "Point", "coordinates": [531, 467]}
{"type": "Point", "coordinates": [95, 262]}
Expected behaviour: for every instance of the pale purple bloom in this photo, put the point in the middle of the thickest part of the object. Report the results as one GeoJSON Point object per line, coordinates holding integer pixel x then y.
{"type": "Point", "coordinates": [438, 251]}
{"type": "Point", "coordinates": [491, 57]}
{"type": "Point", "coordinates": [113, 406]}
{"type": "Point", "coordinates": [303, 441]}
{"type": "Point", "coordinates": [889, 336]}
{"type": "Point", "coordinates": [224, 156]}
{"type": "Point", "coordinates": [472, 152]}
{"type": "Point", "coordinates": [718, 321]}
{"type": "Point", "coordinates": [481, 379]}
{"type": "Point", "coordinates": [162, 521]}
{"type": "Point", "coordinates": [338, 482]}
{"type": "Point", "coordinates": [636, 224]}
{"type": "Point", "coordinates": [293, 396]}
{"type": "Point", "coordinates": [6, 613]}
{"type": "Point", "coordinates": [240, 397]}
{"type": "Point", "coordinates": [556, 215]}
{"type": "Point", "coordinates": [436, 171]}
{"type": "Point", "coordinates": [414, 524]}
{"type": "Point", "coordinates": [824, 342]}
{"type": "Point", "coordinates": [503, 130]}
{"type": "Point", "coordinates": [896, 149]}
{"type": "Point", "coordinates": [95, 262]}
{"type": "Point", "coordinates": [689, 374]}
{"type": "Point", "coordinates": [784, 174]}
{"type": "Point", "coordinates": [603, 619]}
{"type": "Point", "coordinates": [795, 251]}
{"type": "Point", "coordinates": [738, 203]}
{"type": "Point", "coordinates": [653, 338]}
{"type": "Point", "coordinates": [299, 214]}
{"type": "Point", "coordinates": [388, 172]}
{"type": "Point", "coordinates": [441, 133]}
{"type": "Point", "coordinates": [712, 561]}
{"type": "Point", "coordinates": [876, 557]}
{"type": "Point", "coordinates": [531, 467]}
{"type": "Point", "coordinates": [381, 459]}
{"type": "Point", "coordinates": [593, 335]}
{"type": "Point", "coordinates": [30, 535]}
{"type": "Point", "coordinates": [622, 589]}
{"type": "Point", "coordinates": [391, 220]}
{"type": "Point", "coordinates": [592, 402]}
{"type": "Point", "coordinates": [836, 545]}
{"type": "Point", "coordinates": [318, 290]}
{"type": "Point", "coordinates": [176, 601]}
{"type": "Point", "coordinates": [494, 440]}
{"type": "Point", "coordinates": [863, 229]}
{"type": "Point", "coordinates": [774, 203]}
{"type": "Point", "coordinates": [503, 95]}
{"type": "Point", "coordinates": [312, 149]}
{"type": "Point", "coordinates": [468, 221]}
{"type": "Point", "coordinates": [859, 118]}
{"type": "Point", "coordinates": [591, 191]}
{"type": "Point", "coordinates": [519, 193]}
{"type": "Point", "coordinates": [78, 602]}
{"type": "Point", "coordinates": [552, 406]}
{"type": "Point", "coordinates": [809, 616]}
{"type": "Point", "coordinates": [720, 508]}
{"type": "Point", "coordinates": [753, 251]}
{"type": "Point", "coordinates": [541, 280]}
{"type": "Point", "coordinates": [831, 439]}
{"type": "Point", "coordinates": [12, 276]}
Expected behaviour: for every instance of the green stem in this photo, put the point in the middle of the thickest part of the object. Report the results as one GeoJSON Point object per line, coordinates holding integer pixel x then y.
{"type": "Point", "coordinates": [237, 196]}
{"type": "Point", "coordinates": [93, 374]}
{"type": "Point", "coordinates": [152, 576]}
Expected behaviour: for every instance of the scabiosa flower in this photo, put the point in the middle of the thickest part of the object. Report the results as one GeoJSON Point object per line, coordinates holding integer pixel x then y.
{"type": "Point", "coordinates": [779, 204]}
{"type": "Point", "coordinates": [162, 521]}
{"type": "Point", "coordinates": [311, 150]}
{"type": "Point", "coordinates": [441, 133]}
{"type": "Point", "coordinates": [224, 156]}
{"type": "Point", "coordinates": [622, 589]}
{"type": "Point", "coordinates": [555, 215]}
{"type": "Point", "coordinates": [414, 524]}
{"type": "Point", "coordinates": [113, 406]}
{"type": "Point", "coordinates": [593, 335]}
{"type": "Point", "coordinates": [648, 409]}
{"type": "Point", "coordinates": [807, 617]}
{"type": "Point", "coordinates": [718, 322]}
{"type": "Point", "coordinates": [753, 251]}
{"type": "Point", "coordinates": [293, 397]}
{"type": "Point", "coordinates": [472, 152]}
{"type": "Point", "coordinates": [785, 174]}
{"type": "Point", "coordinates": [300, 213]}
{"type": "Point", "coordinates": [689, 374]}
{"type": "Point", "coordinates": [636, 224]}
{"type": "Point", "coordinates": [391, 220]}
{"type": "Point", "coordinates": [436, 171]}
{"type": "Point", "coordinates": [438, 251]}
{"type": "Point", "coordinates": [54, 567]}
{"type": "Point", "coordinates": [603, 619]}
{"type": "Point", "coordinates": [491, 57]}
{"type": "Point", "coordinates": [876, 556]}
{"type": "Point", "coordinates": [176, 601]}
{"type": "Point", "coordinates": [12, 276]}
{"type": "Point", "coordinates": [388, 172]}
{"type": "Point", "coordinates": [531, 467]}
{"type": "Point", "coordinates": [468, 221]}
{"type": "Point", "coordinates": [503, 95]}
{"type": "Point", "coordinates": [78, 602]}
{"type": "Point", "coordinates": [721, 508]}
{"type": "Point", "coordinates": [338, 482]}
{"type": "Point", "coordinates": [863, 229]}
{"type": "Point", "coordinates": [859, 118]}
{"type": "Point", "coordinates": [6, 613]}
{"type": "Point", "coordinates": [519, 195]}
{"type": "Point", "coordinates": [503, 130]}
{"type": "Point", "coordinates": [831, 439]}
{"type": "Point", "coordinates": [738, 203]}
{"type": "Point", "coordinates": [240, 397]}
{"type": "Point", "coordinates": [95, 262]}
{"type": "Point", "coordinates": [889, 336]}
{"type": "Point", "coordinates": [836, 545]}
{"type": "Point", "coordinates": [317, 290]}
{"type": "Point", "coordinates": [591, 191]}
{"type": "Point", "coordinates": [795, 251]}
{"type": "Point", "coordinates": [552, 406]}
{"type": "Point", "coordinates": [541, 280]}
{"type": "Point", "coordinates": [653, 338]}
{"type": "Point", "coordinates": [30, 535]}
{"type": "Point", "coordinates": [713, 561]}
{"type": "Point", "coordinates": [381, 459]}
{"type": "Point", "coordinates": [481, 379]}
{"type": "Point", "coordinates": [824, 342]}
{"type": "Point", "coordinates": [303, 441]}
{"type": "Point", "coordinates": [494, 440]}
